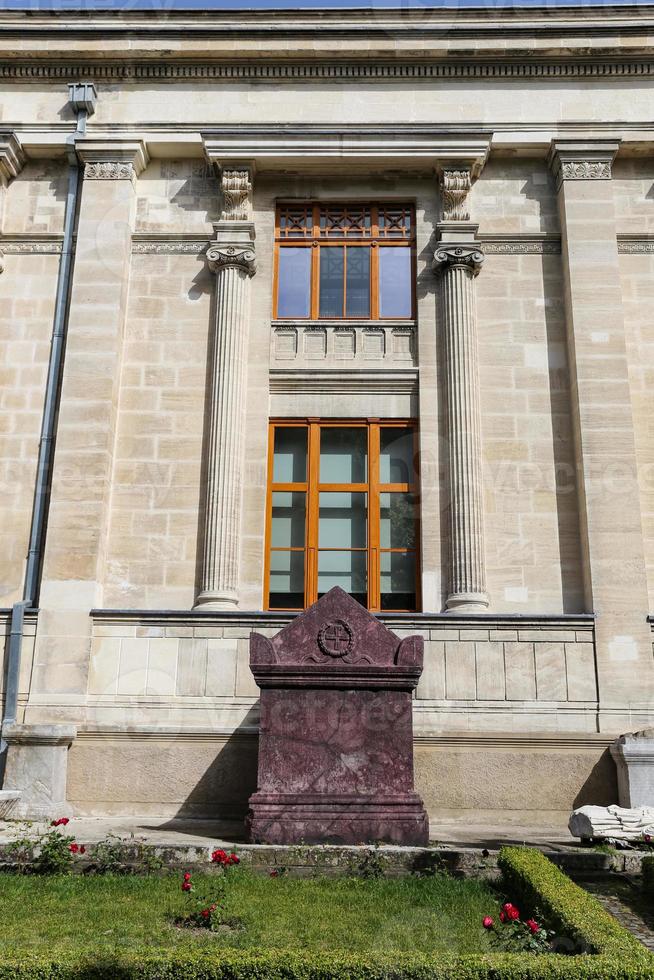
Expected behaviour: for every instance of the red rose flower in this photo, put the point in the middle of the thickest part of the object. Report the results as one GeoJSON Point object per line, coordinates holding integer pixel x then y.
{"type": "Point", "coordinates": [533, 925]}
{"type": "Point", "coordinates": [205, 913]}
{"type": "Point", "coordinates": [187, 876]}
{"type": "Point", "coordinates": [502, 917]}
{"type": "Point", "coordinates": [219, 857]}
{"type": "Point", "coordinates": [274, 873]}
{"type": "Point", "coordinates": [74, 848]}
{"type": "Point", "coordinates": [82, 849]}
{"type": "Point", "coordinates": [511, 912]}
{"type": "Point", "coordinates": [234, 859]}
{"type": "Point", "coordinates": [186, 886]}
{"type": "Point", "coordinates": [487, 922]}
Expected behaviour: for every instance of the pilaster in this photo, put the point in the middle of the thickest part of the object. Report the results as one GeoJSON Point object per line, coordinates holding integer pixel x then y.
{"type": "Point", "coordinates": [231, 256]}
{"type": "Point", "coordinates": [610, 515]}
{"type": "Point", "coordinates": [73, 567]}
{"type": "Point", "coordinates": [458, 259]}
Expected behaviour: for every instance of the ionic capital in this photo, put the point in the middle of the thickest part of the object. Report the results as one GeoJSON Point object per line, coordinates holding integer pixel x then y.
{"type": "Point", "coordinates": [112, 159]}
{"type": "Point", "coordinates": [449, 256]}
{"type": "Point", "coordinates": [579, 160]}
{"type": "Point", "coordinates": [232, 255]}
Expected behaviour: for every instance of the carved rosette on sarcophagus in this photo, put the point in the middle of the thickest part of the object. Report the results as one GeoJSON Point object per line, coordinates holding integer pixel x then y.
{"type": "Point", "coordinates": [336, 733]}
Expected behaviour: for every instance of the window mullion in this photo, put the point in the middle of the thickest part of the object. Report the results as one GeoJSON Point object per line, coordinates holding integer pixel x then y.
{"type": "Point", "coordinates": [374, 598]}
{"type": "Point", "coordinates": [311, 559]}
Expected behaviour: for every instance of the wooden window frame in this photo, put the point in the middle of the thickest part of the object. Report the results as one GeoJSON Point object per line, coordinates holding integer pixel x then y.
{"type": "Point", "coordinates": [312, 488]}
{"type": "Point", "coordinates": [316, 239]}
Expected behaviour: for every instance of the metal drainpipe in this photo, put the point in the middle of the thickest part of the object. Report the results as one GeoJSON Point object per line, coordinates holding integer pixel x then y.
{"type": "Point", "coordinates": [82, 98]}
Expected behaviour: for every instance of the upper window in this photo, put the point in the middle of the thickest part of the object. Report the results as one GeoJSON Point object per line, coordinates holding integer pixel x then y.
{"type": "Point", "coordinates": [343, 510]}
{"type": "Point", "coordinates": [344, 261]}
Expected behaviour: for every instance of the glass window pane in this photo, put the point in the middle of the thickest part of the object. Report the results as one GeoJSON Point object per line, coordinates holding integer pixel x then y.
{"type": "Point", "coordinates": [332, 267]}
{"type": "Point", "coordinates": [357, 289]}
{"type": "Point", "coordinates": [343, 455]}
{"type": "Point", "coordinates": [342, 520]}
{"type": "Point", "coordinates": [294, 287]}
{"type": "Point", "coordinates": [395, 293]}
{"type": "Point", "coordinates": [286, 580]}
{"type": "Point", "coordinates": [344, 568]}
{"type": "Point", "coordinates": [290, 455]}
{"type": "Point", "coordinates": [288, 520]}
{"type": "Point", "coordinates": [398, 580]}
{"type": "Point", "coordinates": [396, 455]}
{"type": "Point", "coordinates": [397, 515]}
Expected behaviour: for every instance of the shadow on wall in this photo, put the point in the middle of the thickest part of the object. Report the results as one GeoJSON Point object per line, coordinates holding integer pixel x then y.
{"type": "Point", "coordinates": [222, 793]}
{"type": "Point", "coordinates": [601, 786]}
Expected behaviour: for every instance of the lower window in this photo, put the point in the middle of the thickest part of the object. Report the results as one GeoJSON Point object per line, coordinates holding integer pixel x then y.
{"type": "Point", "coordinates": [342, 510]}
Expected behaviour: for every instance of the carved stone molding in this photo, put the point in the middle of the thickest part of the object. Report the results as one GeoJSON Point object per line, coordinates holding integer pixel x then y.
{"type": "Point", "coordinates": [289, 71]}
{"type": "Point", "coordinates": [108, 170]}
{"type": "Point", "coordinates": [153, 246]}
{"type": "Point", "coordinates": [577, 160]}
{"type": "Point", "coordinates": [12, 158]}
{"type": "Point", "coordinates": [236, 186]}
{"type": "Point", "coordinates": [237, 256]}
{"type": "Point", "coordinates": [636, 245]}
{"type": "Point", "coordinates": [468, 257]}
{"type": "Point", "coordinates": [27, 247]}
{"type": "Point", "coordinates": [520, 246]}
{"type": "Point", "coordinates": [112, 159]}
{"type": "Point", "coordinates": [455, 187]}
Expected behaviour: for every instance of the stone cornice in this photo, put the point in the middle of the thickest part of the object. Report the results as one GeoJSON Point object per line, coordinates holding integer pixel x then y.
{"type": "Point", "coordinates": [379, 147]}
{"type": "Point", "coordinates": [107, 159]}
{"type": "Point", "coordinates": [582, 160]}
{"type": "Point", "coordinates": [287, 71]}
{"type": "Point", "coordinates": [12, 157]}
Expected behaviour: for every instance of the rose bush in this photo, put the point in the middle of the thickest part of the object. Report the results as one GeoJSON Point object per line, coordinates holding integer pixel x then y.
{"type": "Point", "coordinates": [514, 935]}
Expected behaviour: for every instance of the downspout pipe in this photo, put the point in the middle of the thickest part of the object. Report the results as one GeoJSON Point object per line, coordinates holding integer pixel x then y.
{"type": "Point", "coordinates": [82, 98]}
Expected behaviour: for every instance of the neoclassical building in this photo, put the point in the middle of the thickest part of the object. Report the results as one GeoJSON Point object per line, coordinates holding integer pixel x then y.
{"type": "Point", "coordinates": [300, 299]}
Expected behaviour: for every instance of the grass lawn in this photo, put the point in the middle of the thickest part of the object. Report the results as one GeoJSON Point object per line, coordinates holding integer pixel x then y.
{"type": "Point", "coordinates": [96, 915]}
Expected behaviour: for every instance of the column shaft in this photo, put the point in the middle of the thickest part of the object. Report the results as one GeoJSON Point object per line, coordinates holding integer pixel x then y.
{"type": "Point", "coordinates": [232, 259]}
{"type": "Point", "coordinates": [467, 580]}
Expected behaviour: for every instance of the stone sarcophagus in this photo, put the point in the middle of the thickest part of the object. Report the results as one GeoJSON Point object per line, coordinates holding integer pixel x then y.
{"type": "Point", "coordinates": [336, 735]}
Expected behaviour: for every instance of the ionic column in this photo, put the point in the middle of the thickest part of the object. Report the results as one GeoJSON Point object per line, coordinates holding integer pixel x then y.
{"type": "Point", "coordinates": [458, 258]}
{"type": "Point", "coordinates": [232, 257]}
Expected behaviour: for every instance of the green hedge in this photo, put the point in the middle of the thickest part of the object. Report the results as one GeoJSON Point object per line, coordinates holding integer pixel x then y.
{"type": "Point", "coordinates": [294, 966]}
{"type": "Point", "coordinates": [612, 953]}
{"type": "Point", "coordinates": [533, 880]}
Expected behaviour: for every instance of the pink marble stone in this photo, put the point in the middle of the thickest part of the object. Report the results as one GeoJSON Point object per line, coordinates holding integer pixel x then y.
{"type": "Point", "coordinates": [336, 736]}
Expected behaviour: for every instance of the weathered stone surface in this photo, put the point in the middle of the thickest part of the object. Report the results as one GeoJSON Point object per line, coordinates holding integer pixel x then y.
{"type": "Point", "coordinates": [36, 768]}
{"type": "Point", "coordinates": [634, 760]}
{"type": "Point", "coordinates": [336, 742]}
{"type": "Point", "coordinates": [612, 821]}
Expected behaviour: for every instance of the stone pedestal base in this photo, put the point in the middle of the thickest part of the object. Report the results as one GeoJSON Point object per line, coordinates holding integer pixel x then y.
{"type": "Point", "coordinates": [279, 819]}
{"type": "Point", "coordinates": [8, 802]}
{"type": "Point", "coordinates": [37, 761]}
{"type": "Point", "coordinates": [634, 759]}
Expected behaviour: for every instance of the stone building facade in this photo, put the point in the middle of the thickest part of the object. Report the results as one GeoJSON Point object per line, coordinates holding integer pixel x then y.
{"type": "Point", "coordinates": [171, 227]}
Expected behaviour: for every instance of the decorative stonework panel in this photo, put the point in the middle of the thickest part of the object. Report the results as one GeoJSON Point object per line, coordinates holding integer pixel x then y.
{"type": "Point", "coordinates": [285, 343]}
{"type": "Point", "coordinates": [585, 170]}
{"type": "Point", "coordinates": [237, 195]}
{"type": "Point", "coordinates": [389, 345]}
{"type": "Point", "coordinates": [315, 343]}
{"type": "Point", "coordinates": [374, 344]}
{"type": "Point", "coordinates": [344, 343]}
{"type": "Point", "coordinates": [108, 170]}
{"type": "Point", "coordinates": [455, 187]}
{"type": "Point", "coordinates": [154, 246]}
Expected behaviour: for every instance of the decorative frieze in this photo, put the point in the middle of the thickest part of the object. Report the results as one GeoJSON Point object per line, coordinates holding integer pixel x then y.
{"type": "Point", "coordinates": [340, 71]}
{"type": "Point", "coordinates": [108, 170]}
{"type": "Point", "coordinates": [636, 245]}
{"type": "Point", "coordinates": [29, 246]}
{"type": "Point", "coordinates": [520, 246]}
{"type": "Point", "coordinates": [579, 160]}
{"type": "Point", "coordinates": [154, 246]}
{"type": "Point", "coordinates": [112, 159]}
{"type": "Point", "coordinates": [455, 187]}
